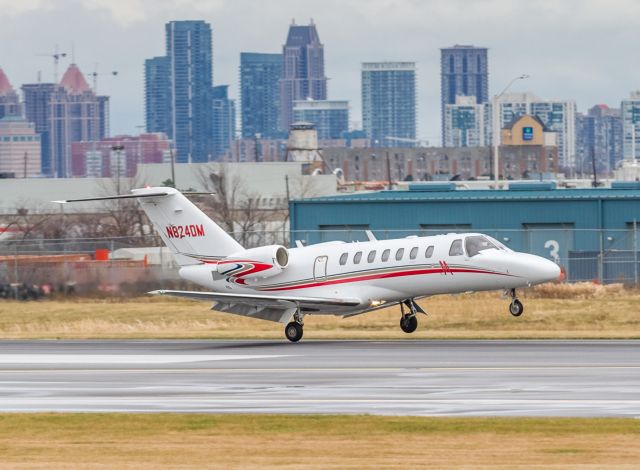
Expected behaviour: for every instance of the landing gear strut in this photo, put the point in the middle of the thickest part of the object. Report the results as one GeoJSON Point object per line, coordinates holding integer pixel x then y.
{"type": "Point", "coordinates": [294, 330]}
{"type": "Point", "coordinates": [515, 307]}
{"type": "Point", "coordinates": [408, 321]}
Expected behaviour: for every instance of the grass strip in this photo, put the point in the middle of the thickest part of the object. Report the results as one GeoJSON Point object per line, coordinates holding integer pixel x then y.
{"type": "Point", "coordinates": [186, 441]}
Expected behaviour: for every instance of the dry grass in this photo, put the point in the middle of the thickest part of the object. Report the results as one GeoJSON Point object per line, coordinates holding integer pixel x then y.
{"type": "Point", "coordinates": [152, 441]}
{"type": "Point", "coordinates": [555, 311]}
{"type": "Point", "coordinates": [579, 290]}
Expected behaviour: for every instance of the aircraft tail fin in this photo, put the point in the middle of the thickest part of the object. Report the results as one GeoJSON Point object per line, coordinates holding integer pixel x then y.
{"type": "Point", "coordinates": [188, 232]}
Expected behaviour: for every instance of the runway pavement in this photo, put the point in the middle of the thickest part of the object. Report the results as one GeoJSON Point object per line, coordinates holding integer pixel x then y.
{"type": "Point", "coordinates": [473, 378]}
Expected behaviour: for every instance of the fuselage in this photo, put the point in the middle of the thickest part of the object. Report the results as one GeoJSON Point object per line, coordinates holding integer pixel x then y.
{"type": "Point", "coordinates": [381, 271]}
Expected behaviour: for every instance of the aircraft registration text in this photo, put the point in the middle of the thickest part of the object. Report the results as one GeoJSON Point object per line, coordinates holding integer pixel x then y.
{"type": "Point", "coordinates": [182, 231]}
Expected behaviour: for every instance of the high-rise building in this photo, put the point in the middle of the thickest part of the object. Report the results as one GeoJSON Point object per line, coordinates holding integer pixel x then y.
{"type": "Point", "coordinates": [599, 137]}
{"type": "Point", "coordinates": [389, 103]}
{"type": "Point", "coordinates": [157, 94]}
{"type": "Point", "coordinates": [178, 90]}
{"type": "Point", "coordinates": [466, 123]}
{"type": "Point", "coordinates": [630, 114]}
{"type": "Point", "coordinates": [189, 49]}
{"type": "Point", "coordinates": [9, 100]}
{"type": "Point", "coordinates": [260, 94]}
{"type": "Point", "coordinates": [330, 117]}
{"type": "Point", "coordinates": [302, 70]}
{"type": "Point", "coordinates": [464, 70]}
{"type": "Point", "coordinates": [558, 116]}
{"type": "Point", "coordinates": [65, 113]}
{"type": "Point", "coordinates": [19, 147]}
{"type": "Point", "coordinates": [224, 121]}
{"type": "Point", "coordinates": [37, 106]}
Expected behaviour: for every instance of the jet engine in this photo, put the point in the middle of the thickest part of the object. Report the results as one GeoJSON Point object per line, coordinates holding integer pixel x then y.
{"type": "Point", "coordinates": [254, 264]}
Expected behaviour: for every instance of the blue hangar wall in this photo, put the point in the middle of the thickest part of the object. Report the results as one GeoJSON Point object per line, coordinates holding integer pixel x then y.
{"type": "Point", "coordinates": [588, 231]}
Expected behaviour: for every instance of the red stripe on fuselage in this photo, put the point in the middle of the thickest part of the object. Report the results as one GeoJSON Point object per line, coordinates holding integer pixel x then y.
{"type": "Point", "coordinates": [414, 272]}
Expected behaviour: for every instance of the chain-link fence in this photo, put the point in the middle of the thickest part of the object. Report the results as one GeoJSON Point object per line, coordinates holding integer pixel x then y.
{"type": "Point", "coordinates": [74, 265]}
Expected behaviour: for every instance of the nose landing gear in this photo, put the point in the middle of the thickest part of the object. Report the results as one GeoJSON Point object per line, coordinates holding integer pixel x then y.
{"type": "Point", "coordinates": [515, 307]}
{"type": "Point", "coordinates": [408, 321]}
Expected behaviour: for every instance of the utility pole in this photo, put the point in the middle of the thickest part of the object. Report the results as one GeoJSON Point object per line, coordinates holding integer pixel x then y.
{"type": "Point", "coordinates": [495, 118]}
{"type": "Point", "coordinates": [286, 187]}
{"type": "Point", "coordinates": [390, 186]}
{"type": "Point", "coordinates": [25, 164]}
{"type": "Point", "coordinates": [635, 251]}
{"type": "Point", "coordinates": [593, 163]}
{"type": "Point", "coordinates": [118, 150]}
{"type": "Point", "coordinates": [173, 166]}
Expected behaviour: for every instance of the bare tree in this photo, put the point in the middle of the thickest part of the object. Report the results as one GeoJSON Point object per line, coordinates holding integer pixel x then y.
{"type": "Point", "coordinates": [239, 211]}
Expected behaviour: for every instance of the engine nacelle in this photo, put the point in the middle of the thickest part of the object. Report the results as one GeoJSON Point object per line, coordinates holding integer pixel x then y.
{"type": "Point", "coordinates": [254, 264]}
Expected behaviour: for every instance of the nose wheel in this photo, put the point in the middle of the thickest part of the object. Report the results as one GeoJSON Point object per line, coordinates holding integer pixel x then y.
{"type": "Point", "coordinates": [515, 307]}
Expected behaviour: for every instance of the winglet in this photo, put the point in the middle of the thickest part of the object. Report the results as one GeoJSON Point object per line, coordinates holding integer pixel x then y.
{"type": "Point", "coordinates": [371, 236]}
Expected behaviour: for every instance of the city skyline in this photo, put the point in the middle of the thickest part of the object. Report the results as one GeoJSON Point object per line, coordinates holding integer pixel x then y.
{"type": "Point", "coordinates": [580, 67]}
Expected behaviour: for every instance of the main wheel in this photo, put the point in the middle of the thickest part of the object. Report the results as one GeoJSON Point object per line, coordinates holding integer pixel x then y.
{"type": "Point", "coordinates": [516, 308]}
{"type": "Point", "coordinates": [408, 324]}
{"type": "Point", "coordinates": [293, 331]}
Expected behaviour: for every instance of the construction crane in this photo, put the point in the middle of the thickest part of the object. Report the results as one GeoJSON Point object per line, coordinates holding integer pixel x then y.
{"type": "Point", "coordinates": [57, 55]}
{"type": "Point", "coordinates": [94, 75]}
{"type": "Point", "coordinates": [409, 140]}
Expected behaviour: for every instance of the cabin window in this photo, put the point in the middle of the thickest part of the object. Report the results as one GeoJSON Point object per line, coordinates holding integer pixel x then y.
{"type": "Point", "coordinates": [385, 255]}
{"type": "Point", "coordinates": [456, 248]}
{"type": "Point", "coordinates": [372, 256]}
{"type": "Point", "coordinates": [357, 257]}
{"type": "Point", "coordinates": [343, 259]}
{"type": "Point", "coordinates": [399, 254]}
{"type": "Point", "coordinates": [429, 252]}
{"type": "Point", "coordinates": [477, 243]}
{"type": "Point", "coordinates": [414, 252]}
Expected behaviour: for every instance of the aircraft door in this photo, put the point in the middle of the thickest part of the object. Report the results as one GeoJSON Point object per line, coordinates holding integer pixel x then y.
{"type": "Point", "coordinates": [320, 268]}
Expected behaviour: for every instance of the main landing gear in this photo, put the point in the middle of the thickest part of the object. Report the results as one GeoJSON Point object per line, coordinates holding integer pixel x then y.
{"type": "Point", "coordinates": [515, 307]}
{"type": "Point", "coordinates": [294, 330]}
{"type": "Point", "coordinates": [408, 321]}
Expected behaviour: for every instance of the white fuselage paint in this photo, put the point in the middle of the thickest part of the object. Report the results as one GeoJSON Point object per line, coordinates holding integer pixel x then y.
{"type": "Point", "coordinates": [391, 280]}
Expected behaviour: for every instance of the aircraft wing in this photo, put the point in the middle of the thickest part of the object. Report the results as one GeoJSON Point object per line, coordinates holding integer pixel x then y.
{"type": "Point", "coordinates": [267, 307]}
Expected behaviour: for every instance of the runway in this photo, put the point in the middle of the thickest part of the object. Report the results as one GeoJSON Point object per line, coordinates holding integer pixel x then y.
{"type": "Point", "coordinates": [461, 378]}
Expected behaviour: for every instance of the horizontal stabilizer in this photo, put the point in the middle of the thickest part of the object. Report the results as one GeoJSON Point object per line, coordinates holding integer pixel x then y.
{"type": "Point", "coordinates": [107, 198]}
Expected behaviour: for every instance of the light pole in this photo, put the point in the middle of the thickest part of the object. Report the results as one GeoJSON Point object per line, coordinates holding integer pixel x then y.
{"type": "Point", "coordinates": [495, 138]}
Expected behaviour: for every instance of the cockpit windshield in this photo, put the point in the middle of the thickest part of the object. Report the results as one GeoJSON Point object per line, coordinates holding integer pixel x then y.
{"type": "Point", "coordinates": [477, 243]}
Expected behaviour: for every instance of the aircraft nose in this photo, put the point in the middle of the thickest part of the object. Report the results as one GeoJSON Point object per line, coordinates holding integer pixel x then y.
{"type": "Point", "coordinates": [547, 270]}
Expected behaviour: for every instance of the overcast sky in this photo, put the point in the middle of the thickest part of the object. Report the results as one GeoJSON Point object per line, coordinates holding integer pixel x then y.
{"type": "Point", "coordinates": [585, 50]}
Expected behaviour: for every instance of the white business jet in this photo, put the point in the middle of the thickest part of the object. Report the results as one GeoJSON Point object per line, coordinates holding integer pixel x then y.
{"type": "Point", "coordinates": [334, 278]}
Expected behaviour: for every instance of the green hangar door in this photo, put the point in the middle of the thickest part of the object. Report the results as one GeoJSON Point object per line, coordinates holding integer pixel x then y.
{"type": "Point", "coordinates": [552, 241]}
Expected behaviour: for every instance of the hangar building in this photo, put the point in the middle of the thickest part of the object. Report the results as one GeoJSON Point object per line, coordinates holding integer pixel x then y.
{"type": "Point", "coordinates": [591, 233]}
